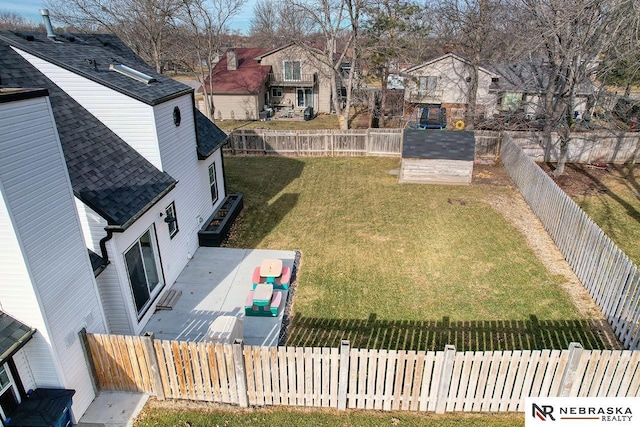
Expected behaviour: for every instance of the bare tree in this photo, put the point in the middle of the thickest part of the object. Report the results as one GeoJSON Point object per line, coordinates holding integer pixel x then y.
{"type": "Point", "coordinates": [204, 25]}
{"type": "Point", "coordinates": [572, 37]}
{"type": "Point", "coordinates": [355, 9]}
{"type": "Point", "coordinates": [143, 25]}
{"type": "Point", "coordinates": [476, 28]}
{"type": "Point", "coordinates": [330, 19]}
{"type": "Point", "coordinates": [10, 20]}
{"type": "Point", "coordinates": [391, 30]}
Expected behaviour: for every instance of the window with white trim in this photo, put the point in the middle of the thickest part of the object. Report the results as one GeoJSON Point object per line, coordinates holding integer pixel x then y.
{"type": "Point", "coordinates": [171, 219]}
{"type": "Point", "coordinates": [213, 183]}
{"type": "Point", "coordinates": [292, 71]}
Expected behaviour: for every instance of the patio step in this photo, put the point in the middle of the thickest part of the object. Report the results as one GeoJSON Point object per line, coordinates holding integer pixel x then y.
{"type": "Point", "coordinates": [168, 300]}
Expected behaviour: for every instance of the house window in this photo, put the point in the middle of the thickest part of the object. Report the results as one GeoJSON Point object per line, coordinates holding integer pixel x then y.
{"type": "Point", "coordinates": [171, 219]}
{"type": "Point", "coordinates": [510, 101]}
{"type": "Point", "coordinates": [213, 184]}
{"type": "Point", "coordinates": [9, 396]}
{"type": "Point", "coordinates": [142, 267]}
{"type": "Point", "coordinates": [292, 71]}
{"type": "Point", "coordinates": [428, 83]}
{"type": "Point", "coordinates": [276, 92]}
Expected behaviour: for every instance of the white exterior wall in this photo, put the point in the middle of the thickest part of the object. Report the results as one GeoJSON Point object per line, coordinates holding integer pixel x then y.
{"type": "Point", "coordinates": [47, 279]}
{"type": "Point", "coordinates": [191, 195]}
{"type": "Point", "coordinates": [24, 370]}
{"type": "Point", "coordinates": [128, 118]}
{"type": "Point", "coordinates": [152, 133]}
{"type": "Point", "coordinates": [92, 226]}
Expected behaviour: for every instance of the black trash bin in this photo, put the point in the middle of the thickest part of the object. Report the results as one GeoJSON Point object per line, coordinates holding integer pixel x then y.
{"type": "Point", "coordinates": [44, 407]}
{"type": "Point", "coordinates": [308, 113]}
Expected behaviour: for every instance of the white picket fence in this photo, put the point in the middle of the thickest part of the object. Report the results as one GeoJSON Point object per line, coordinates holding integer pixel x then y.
{"type": "Point", "coordinates": [611, 278]}
{"type": "Point", "coordinates": [341, 378]}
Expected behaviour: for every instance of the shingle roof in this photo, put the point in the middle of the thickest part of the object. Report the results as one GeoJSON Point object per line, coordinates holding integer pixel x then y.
{"type": "Point", "coordinates": [97, 263]}
{"type": "Point", "coordinates": [90, 56]}
{"type": "Point", "coordinates": [210, 137]}
{"type": "Point", "coordinates": [13, 335]}
{"type": "Point", "coordinates": [438, 144]}
{"type": "Point", "coordinates": [106, 173]}
{"type": "Point", "coordinates": [248, 78]}
{"type": "Point", "coordinates": [528, 77]}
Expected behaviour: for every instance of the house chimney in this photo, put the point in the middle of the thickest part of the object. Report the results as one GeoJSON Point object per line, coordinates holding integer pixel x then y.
{"type": "Point", "coordinates": [232, 60]}
{"type": "Point", "coordinates": [47, 24]}
{"type": "Point", "coordinates": [449, 48]}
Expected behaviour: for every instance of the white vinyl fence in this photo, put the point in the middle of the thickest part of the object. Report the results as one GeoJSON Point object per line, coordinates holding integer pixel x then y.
{"type": "Point", "coordinates": [611, 278]}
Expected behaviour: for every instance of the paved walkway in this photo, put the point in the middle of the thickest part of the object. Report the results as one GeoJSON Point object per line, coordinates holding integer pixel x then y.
{"type": "Point", "coordinates": [111, 409]}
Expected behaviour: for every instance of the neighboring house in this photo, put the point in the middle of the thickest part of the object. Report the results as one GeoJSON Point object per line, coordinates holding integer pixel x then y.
{"type": "Point", "coordinates": [249, 81]}
{"type": "Point", "coordinates": [444, 82]}
{"type": "Point", "coordinates": [239, 85]}
{"type": "Point", "coordinates": [107, 172]}
{"type": "Point", "coordinates": [519, 88]}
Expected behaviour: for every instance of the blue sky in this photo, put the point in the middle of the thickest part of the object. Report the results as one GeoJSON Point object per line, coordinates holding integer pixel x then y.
{"type": "Point", "coordinates": [30, 10]}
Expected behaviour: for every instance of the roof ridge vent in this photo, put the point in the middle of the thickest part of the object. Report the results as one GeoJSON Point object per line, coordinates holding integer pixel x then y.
{"type": "Point", "coordinates": [69, 37]}
{"type": "Point", "coordinates": [131, 73]}
{"type": "Point", "coordinates": [27, 36]}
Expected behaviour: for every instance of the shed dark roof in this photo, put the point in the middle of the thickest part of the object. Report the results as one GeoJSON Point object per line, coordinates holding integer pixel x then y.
{"type": "Point", "coordinates": [90, 56]}
{"type": "Point", "coordinates": [13, 335]}
{"type": "Point", "coordinates": [106, 173]}
{"type": "Point", "coordinates": [210, 137]}
{"type": "Point", "coordinates": [438, 144]}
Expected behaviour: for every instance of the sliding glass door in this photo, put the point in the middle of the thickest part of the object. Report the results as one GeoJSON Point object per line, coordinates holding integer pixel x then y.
{"type": "Point", "coordinates": [143, 267]}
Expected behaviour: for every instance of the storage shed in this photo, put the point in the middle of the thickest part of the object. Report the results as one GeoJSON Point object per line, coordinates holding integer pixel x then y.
{"type": "Point", "coordinates": [437, 157]}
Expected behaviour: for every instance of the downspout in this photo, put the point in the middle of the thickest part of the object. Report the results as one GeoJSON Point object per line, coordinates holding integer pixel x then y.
{"type": "Point", "coordinates": [103, 247]}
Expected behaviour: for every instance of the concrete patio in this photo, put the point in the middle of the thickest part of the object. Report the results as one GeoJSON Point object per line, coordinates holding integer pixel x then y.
{"type": "Point", "coordinates": [215, 282]}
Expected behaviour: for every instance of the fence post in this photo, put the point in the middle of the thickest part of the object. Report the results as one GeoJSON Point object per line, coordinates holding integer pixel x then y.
{"type": "Point", "coordinates": [445, 378]}
{"type": "Point", "coordinates": [241, 372]}
{"type": "Point", "coordinates": [569, 374]}
{"type": "Point", "coordinates": [343, 375]}
{"type": "Point", "coordinates": [147, 339]}
{"type": "Point", "coordinates": [82, 334]}
{"type": "Point", "coordinates": [243, 137]}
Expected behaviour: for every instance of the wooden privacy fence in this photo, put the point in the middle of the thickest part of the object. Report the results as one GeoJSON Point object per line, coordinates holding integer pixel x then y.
{"type": "Point", "coordinates": [438, 381]}
{"type": "Point", "coordinates": [611, 278]}
{"type": "Point", "coordinates": [353, 142]}
{"type": "Point", "coordinates": [328, 142]}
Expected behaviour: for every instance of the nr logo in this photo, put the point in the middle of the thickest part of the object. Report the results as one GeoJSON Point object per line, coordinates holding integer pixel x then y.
{"type": "Point", "coordinates": [543, 412]}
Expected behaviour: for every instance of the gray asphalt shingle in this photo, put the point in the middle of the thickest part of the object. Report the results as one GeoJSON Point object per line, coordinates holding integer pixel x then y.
{"type": "Point", "coordinates": [106, 173]}
{"type": "Point", "coordinates": [438, 144]}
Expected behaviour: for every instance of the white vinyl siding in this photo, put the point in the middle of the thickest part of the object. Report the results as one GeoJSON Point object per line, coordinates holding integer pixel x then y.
{"type": "Point", "coordinates": [128, 118]}
{"type": "Point", "coordinates": [92, 226]}
{"type": "Point", "coordinates": [53, 288]}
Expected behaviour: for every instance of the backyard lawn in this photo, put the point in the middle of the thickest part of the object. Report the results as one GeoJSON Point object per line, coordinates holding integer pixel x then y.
{"type": "Point", "coordinates": [400, 266]}
{"type": "Point", "coordinates": [285, 417]}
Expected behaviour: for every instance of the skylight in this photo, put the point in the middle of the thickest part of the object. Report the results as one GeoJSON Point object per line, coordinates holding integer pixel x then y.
{"type": "Point", "coordinates": [130, 72]}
